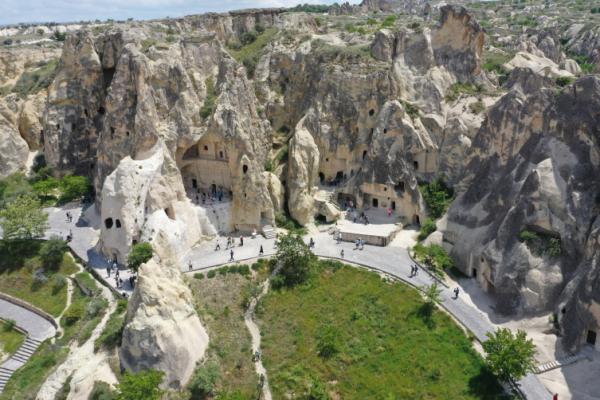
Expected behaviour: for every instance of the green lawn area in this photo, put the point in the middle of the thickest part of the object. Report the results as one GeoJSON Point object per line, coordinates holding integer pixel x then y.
{"type": "Point", "coordinates": [221, 308]}
{"type": "Point", "coordinates": [9, 340]}
{"type": "Point", "coordinates": [386, 350]}
{"type": "Point", "coordinates": [18, 263]}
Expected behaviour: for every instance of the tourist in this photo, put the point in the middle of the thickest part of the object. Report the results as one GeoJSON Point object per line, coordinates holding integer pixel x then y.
{"type": "Point", "coordinates": [190, 266]}
{"type": "Point", "coordinates": [340, 238]}
{"type": "Point", "coordinates": [71, 233]}
{"type": "Point", "coordinates": [354, 218]}
{"type": "Point", "coordinates": [108, 271]}
{"type": "Point", "coordinates": [117, 281]}
{"type": "Point", "coordinates": [345, 206]}
{"type": "Point", "coordinates": [456, 293]}
{"type": "Point", "coordinates": [367, 219]}
{"type": "Point", "coordinates": [262, 380]}
{"type": "Point", "coordinates": [362, 243]}
{"type": "Point", "coordinates": [61, 236]}
{"type": "Point", "coordinates": [115, 265]}
{"type": "Point", "coordinates": [241, 240]}
{"type": "Point", "coordinates": [203, 198]}
{"type": "Point", "coordinates": [70, 216]}
{"type": "Point", "coordinates": [412, 271]}
{"type": "Point", "coordinates": [311, 243]}
{"type": "Point", "coordinates": [228, 242]}
{"type": "Point", "coordinates": [345, 177]}
{"type": "Point", "coordinates": [357, 243]}
{"type": "Point", "coordinates": [342, 253]}
{"type": "Point", "coordinates": [555, 397]}
{"type": "Point", "coordinates": [416, 270]}
{"type": "Point", "coordinates": [233, 241]}
{"type": "Point", "coordinates": [117, 273]}
{"type": "Point", "coordinates": [121, 282]}
{"type": "Point", "coordinates": [197, 199]}
{"type": "Point", "coordinates": [82, 199]}
{"type": "Point", "coordinates": [231, 259]}
{"type": "Point", "coordinates": [218, 246]}
{"type": "Point", "coordinates": [67, 216]}
{"type": "Point", "coordinates": [257, 355]}
{"type": "Point", "coordinates": [389, 212]}
{"type": "Point", "coordinates": [260, 253]}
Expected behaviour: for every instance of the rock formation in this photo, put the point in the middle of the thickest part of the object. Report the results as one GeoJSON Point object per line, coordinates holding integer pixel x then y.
{"type": "Point", "coordinates": [13, 148]}
{"type": "Point", "coordinates": [163, 330]}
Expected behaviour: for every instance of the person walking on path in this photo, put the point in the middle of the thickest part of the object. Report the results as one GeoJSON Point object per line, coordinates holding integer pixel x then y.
{"type": "Point", "coordinates": [231, 259]}
{"type": "Point", "coordinates": [456, 293]}
{"type": "Point", "coordinates": [241, 240]}
{"type": "Point", "coordinates": [257, 355]}
{"type": "Point", "coordinates": [357, 243]}
{"type": "Point", "coordinates": [218, 246]}
{"type": "Point", "coordinates": [115, 265]}
{"type": "Point", "coordinates": [367, 219]}
{"type": "Point", "coordinates": [108, 271]}
{"type": "Point", "coordinates": [117, 273]}
{"type": "Point", "coordinates": [197, 199]}
{"type": "Point", "coordinates": [203, 198]}
{"type": "Point", "coordinates": [71, 233]}
{"type": "Point", "coordinates": [412, 271]}
{"type": "Point", "coordinates": [228, 243]}
{"type": "Point", "coordinates": [362, 244]}
{"type": "Point", "coordinates": [555, 397]}
{"type": "Point", "coordinates": [342, 253]}
{"type": "Point", "coordinates": [190, 266]}
{"type": "Point", "coordinates": [311, 243]}
{"type": "Point", "coordinates": [339, 238]}
{"type": "Point", "coordinates": [354, 218]}
{"type": "Point", "coordinates": [117, 281]}
{"type": "Point", "coordinates": [261, 252]}
{"type": "Point", "coordinates": [67, 216]}
{"type": "Point", "coordinates": [389, 212]}
{"type": "Point", "coordinates": [70, 216]}
{"type": "Point", "coordinates": [416, 270]}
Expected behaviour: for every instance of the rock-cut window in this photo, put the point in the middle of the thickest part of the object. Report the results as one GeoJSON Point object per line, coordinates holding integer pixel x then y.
{"type": "Point", "coordinates": [245, 168]}
{"type": "Point", "coordinates": [108, 222]}
{"type": "Point", "coordinates": [118, 223]}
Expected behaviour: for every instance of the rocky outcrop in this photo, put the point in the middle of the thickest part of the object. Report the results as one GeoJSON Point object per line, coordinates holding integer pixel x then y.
{"type": "Point", "coordinates": [540, 65]}
{"type": "Point", "coordinates": [383, 46]}
{"type": "Point", "coordinates": [31, 120]}
{"type": "Point", "coordinates": [276, 190]}
{"type": "Point", "coordinates": [526, 81]}
{"type": "Point", "coordinates": [538, 42]}
{"type": "Point", "coordinates": [13, 148]}
{"type": "Point", "coordinates": [539, 176]}
{"type": "Point", "coordinates": [375, 5]}
{"type": "Point", "coordinates": [162, 330]}
{"type": "Point", "coordinates": [12, 61]}
{"type": "Point", "coordinates": [570, 66]}
{"type": "Point", "coordinates": [142, 197]}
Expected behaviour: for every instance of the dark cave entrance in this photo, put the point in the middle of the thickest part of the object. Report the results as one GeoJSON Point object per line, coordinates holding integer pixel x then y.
{"type": "Point", "coordinates": [591, 337]}
{"type": "Point", "coordinates": [108, 74]}
{"type": "Point", "coordinates": [320, 217]}
{"type": "Point", "coordinates": [339, 176]}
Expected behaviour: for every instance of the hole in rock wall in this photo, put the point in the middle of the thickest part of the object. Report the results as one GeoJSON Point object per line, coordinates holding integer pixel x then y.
{"type": "Point", "coordinates": [205, 148]}
{"type": "Point", "coordinates": [564, 310]}
{"type": "Point", "coordinates": [101, 111]}
{"type": "Point", "coordinates": [220, 154]}
{"type": "Point", "coordinates": [244, 194]}
{"type": "Point", "coordinates": [73, 127]}
{"type": "Point", "coordinates": [245, 168]}
{"type": "Point", "coordinates": [170, 213]}
{"type": "Point", "coordinates": [474, 273]}
{"type": "Point", "coordinates": [321, 176]}
{"type": "Point", "coordinates": [108, 75]}
{"type": "Point", "coordinates": [385, 131]}
{"type": "Point", "coordinates": [591, 337]}
{"type": "Point", "coordinates": [393, 205]}
{"type": "Point", "coordinates": [339, 175]}
{"type": "Point", "coordinates": [41, 131]}
{"type": "Point", "coordinates": [320, 217]}
{"type": "Point", "coordinates": [416, 165]}
{"type": "Point", "coordinates": [134, 242]}
{"type": "Point", "coordinates": [399, 187]}
{"type": "Point", "coordinates": [385, 189]}
{"type": "Point", "coordinates": [108, 222]}
{"type": "Point", "coordinates": [57, 126]}
{"type": "Point", "coordinates": [85, 112]}
{"type": "Point", "coordinates": [364, 154]}
{"type": "Point", "coordinates": [416, 220]}
{"type": "Point", "coordinates": [375, 203]}
{"type": "Point", "coordinates": [118, 223]}
{"type": "Point", "coordinates": [112, 132]}
{"type": "Point", "coordinates": [371, 112]}
{"type": "Point", "coordinates": [92, 165]}
{"type": "Point", "coordinates": [127, 133]}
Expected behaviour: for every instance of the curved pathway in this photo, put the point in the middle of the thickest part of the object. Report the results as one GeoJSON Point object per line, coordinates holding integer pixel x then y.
{"type": "Point", "coordinates": [255, 332]}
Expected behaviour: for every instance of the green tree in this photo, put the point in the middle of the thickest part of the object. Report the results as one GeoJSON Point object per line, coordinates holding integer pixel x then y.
{"type": "Point", "coordinates": [318, 21]}
{"type": "Point", "coordinates": [40, 32]}
{"type": "Point", "coordinates": [372, 21]}
{"type": "Point", "coordinates": [437, 196]}
{"type": "Point", "coordinates": [253, 291]}
{"type": "Point", "coordinates": [101, 391]}
{"type": "Point", "coordinates": [260, 27]}
{"type": "Point", "coordinates": [295, 258]}
{"type": "Point", "coordinates": [43, 174]}
{"type": "Point", "coordinates": [45, 187]}
{"type": "Point", "coordinates": [249, 37]}
{"type": "Point", "coordinates": [53, 250]}
{"type": "Point", "coordinates": [72, 187]}
{"type": "Point", "coordinates": [427, 229]}
{"type": "Point", "coordinates": [510, 356]}
{"type": "Point", "coordinates": [563, 81]}
{"type": "Point", "coordinates": [23, 219]}
{"type": "Point", "coordinates": [432, 296]}
{"type": "Point", "coordinates": [139, 254]}
{"type": "Point", "coordinates": [59, 36]}
{"type": "Point", "coordinates": [142, 386]}
{"type": "Point", "coordinates": [205, 379]}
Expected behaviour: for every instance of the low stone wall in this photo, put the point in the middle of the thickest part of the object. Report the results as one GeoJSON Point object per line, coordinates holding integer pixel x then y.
{"type": "Point", "coordinates": [30, 307]}
{"type": "Point", "coordinates": [17, 328]}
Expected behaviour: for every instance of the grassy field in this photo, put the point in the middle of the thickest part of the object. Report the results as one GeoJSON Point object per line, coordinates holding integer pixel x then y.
{"type": "Point", "coordinates": [9, 340]}
{"type": "Point", "coordinates": [18, 263]}
{"type": "Point", "coordinates": [254, 48]}
{"type": "Point", "coordinates": [221, 307]}
{"type": "Point", "coordinates": [385, 349]}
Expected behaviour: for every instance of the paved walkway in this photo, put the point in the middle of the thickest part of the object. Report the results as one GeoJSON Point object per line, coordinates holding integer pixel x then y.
{"type": "Point", "coordinates": [39, 328]}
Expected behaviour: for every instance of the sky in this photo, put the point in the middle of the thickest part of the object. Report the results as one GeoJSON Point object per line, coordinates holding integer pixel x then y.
{"type": "Point", "coordinates": [13, 12]}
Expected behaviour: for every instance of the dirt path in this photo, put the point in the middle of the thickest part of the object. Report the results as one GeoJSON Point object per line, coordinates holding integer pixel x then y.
{"type": "Point", "coordinates": [255, 332]}
{"type": "Point", "coordinates": [83, 364]}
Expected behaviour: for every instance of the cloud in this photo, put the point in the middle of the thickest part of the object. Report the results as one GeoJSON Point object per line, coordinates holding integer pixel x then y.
{"type": "Point", "coordinates": [16, 11]}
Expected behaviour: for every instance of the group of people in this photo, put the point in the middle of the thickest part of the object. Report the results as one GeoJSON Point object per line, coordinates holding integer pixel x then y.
{"type": "Point", "coordinates": [69, 236]}
{"type": "Point", "coordinates": [112, 266]}
{"type": "Point", "coordinates": [212, 196]}
{"type": "Point", "coordinates": [363, 218]}
{"type": "Point", "coordinates": [69, 216]}
{"type": "Point", "coordinates": [332, 181]}
{"type": "Point", "coordinates": [349, 207]}
{"type": "Point", "coordinates": [87, 198]}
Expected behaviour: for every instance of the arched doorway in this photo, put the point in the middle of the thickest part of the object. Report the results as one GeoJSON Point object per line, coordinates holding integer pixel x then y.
{"type": "Point", "coordinates": [416, 220]}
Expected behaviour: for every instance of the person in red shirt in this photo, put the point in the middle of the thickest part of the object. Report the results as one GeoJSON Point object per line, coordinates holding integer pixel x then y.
{"type": "Point", "coordinates": [555, 397]}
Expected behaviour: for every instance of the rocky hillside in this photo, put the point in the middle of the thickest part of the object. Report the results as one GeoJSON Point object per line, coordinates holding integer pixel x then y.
{"type": "Point", "coordinates": [266, 103]}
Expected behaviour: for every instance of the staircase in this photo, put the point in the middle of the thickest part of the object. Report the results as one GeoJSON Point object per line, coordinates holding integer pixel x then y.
{"type": "Point", "coordinates": [267, 229]}
{"type": "Point", "coordinates": [560, 363]}
{"type": "Point", "coordinates": [334, 230]}
{"type": "Point", "coordinates": [17, 360]}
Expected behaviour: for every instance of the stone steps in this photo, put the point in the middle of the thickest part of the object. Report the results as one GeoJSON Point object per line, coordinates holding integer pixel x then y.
{"type": "Point", "coordinates": [267, 229]}
{"type": "Point", "coordinates": [560, 363]}
{"type": "Point", "coordinates": [22, 355]}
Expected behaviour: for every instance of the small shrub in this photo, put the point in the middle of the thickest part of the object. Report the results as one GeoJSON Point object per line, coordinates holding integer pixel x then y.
{"type": "Point", "coordinates": [205, 379]}
{"type": "Point", "coordinates": [112, 334]}
{"type": "Point", "coordinates": [411, 109]}
{"type": "Point", "coordinates": [140, 253]}
{"type": "Point", "coordinates": [199, 276]}
{"type": "Point", "coordinates": [318, 21]}
{"type": "Point", "coordinates": [209, 101]}
{"type": "Point", "coordinates": [260, 28]}
{"type": "Point", "coordinates": [74, 313]}
{"type": "Point", "coordinates": [437, 196]}
{"type": "Point", "coordinates": [211, 274]}
{"type": "Point", "coordinates": [102, 391]}
{"type": "Point", "coordinates": [527, 236]}
{"type": "Point", "coordinates": [236, 45]}
{"type": "Point", "coordinates": [94, 307]}
{"type": "Point", "coordinates": [250, 63]}
{"type": "Point", "coordinates": [39, 276]}
{"type": "Point", "coordinates": [362, 31]}
{"type": "Point", "coordinates": [60, 280]}
{"type": "Point", "coordinates": [249, 37]}
{"type": "Point", "coordinates": [170, 39]}
{"type": "Point", "coordinates": [350, 28]}
{"type": "Point", "coordinates": [9, 324]}
{"type": "Point", "coordinates": [427, 229]}
{"type": "Point", "coordinates": [477, 107]}
{"type": "Point", "coordinates": [330, 343]}
{"type": "Point", "coordinates": [268, 165]}
{"type": "Point", "coordinates": [554, 247]}
{"type": "Point", "coordinates": [372, 21]}
{"type": "Point", "coordinates": [563, 81]}
{"type": "Point", "coordinates": [223, 270]}
{"type": "Point", "coordinates": [243, 270]}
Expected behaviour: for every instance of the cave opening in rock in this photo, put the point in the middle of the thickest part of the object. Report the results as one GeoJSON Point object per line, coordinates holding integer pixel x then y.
{"type": "Point", "coordinates": [112, 132]}
{"type": "Point", "coordinates": [384, 130]}
{"type": "Point", "coordinates": [320, 217]}
{"type": "Point", "coordinates": [339, 175]}
{"type": "Point", "coordinates": [127, 133]}
{"type": "Point", "coordinates": [118, 223]}
{"type": "Point", "coordinates": [393, 205]}
{"type": "Point", "coordinates": [474, 273]}
{"type": "Point", "coordinates": [72, 126]}
{"type": "Point", "coordinates": [399, 187]}
{"type": "Point", "coordinates": [371, 112]}
{"type": "Point", "coordinates": [364, 154]}
{"type": "Point", "coordinates": [134, 242]}
{"type": "Point", "coordinates": [101, 111]}
{"type": "Point", "coordinates": [195, 183]}
{"type": "Point", "coordinates": [321, 177]}
{"type": "Point", "coordinates": [375, 203]}
{"type": "Point", "coordinates": [57, 126]}
{"type": "Point", "coordinates": [416, 165]}
{"type": "Point", "coordinates": [108, 222]}
{"type": "Point", "coordinates": [92, 165]}
{"type": "Point", "coordinates": [591, 337]}
{"type": "Point", "coordinates": [416, 220]}
{"type": "Point", "coordinates": [245, 169]}
{"type": "Point", "coordinates": [85, 112]}
{"type": "Point", "coordinates": [170, 213]}
{"type": "Point", "coordinates": [108, 75]}
{"type": "Point", "coordinates": [220, 154]}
